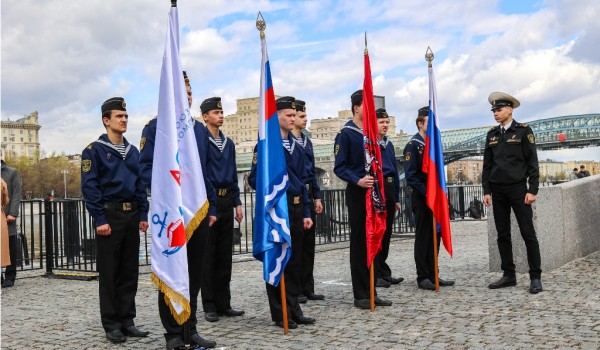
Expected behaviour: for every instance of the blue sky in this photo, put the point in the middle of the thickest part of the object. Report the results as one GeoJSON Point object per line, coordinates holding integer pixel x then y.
{"type": "Point", "coordinates": [67, 57]}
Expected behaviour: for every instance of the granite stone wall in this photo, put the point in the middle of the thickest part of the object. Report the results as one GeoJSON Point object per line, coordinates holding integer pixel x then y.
{"type": "Point", "coordinates": [567, 223]}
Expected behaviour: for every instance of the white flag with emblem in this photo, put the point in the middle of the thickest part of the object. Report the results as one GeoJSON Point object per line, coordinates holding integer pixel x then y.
{"type": "Point", "coordinates": [179, 201]}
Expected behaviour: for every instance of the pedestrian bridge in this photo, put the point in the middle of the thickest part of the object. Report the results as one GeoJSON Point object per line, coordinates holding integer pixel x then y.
{"type": "Point", "coordinates": [570, 131]}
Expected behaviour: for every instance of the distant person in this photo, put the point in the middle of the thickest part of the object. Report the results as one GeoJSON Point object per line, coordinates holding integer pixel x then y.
{"type": "Point", "coordinates": [574, 175]}
{"type": "Point", "coordinates": [113, 194]}
{"type": "Point", "coordinates": [4, 251]}
{"type": "Point", "coordinates": [510, 164]}
{"type": "Point", "coordinates": [476, 209]}
{"type": "Point", "coordinates": [13, 184]}
{"type": "Point", "coordinates": [583, 172]}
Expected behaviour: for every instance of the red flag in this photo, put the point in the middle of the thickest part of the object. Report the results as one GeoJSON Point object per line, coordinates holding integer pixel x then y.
{"type": "Point", "coordinates": [375, 198]}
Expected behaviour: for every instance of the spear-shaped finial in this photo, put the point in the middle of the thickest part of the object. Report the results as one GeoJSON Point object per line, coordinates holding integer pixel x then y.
{"type": "Point", "coordinates": [429, 56]}
{"type": "Point", "coordinates": [261, 24]}
{"type": "Point", "coordinates": [366, 50]}
{"type": "Point", "coordinates": [173, 3]}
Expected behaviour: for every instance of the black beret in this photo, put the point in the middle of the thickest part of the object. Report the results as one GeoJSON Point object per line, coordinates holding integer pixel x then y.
{"type": "Point", "coordinates": [381, 113]}
{"type": "Point", "coordinates": [423, 112]}
{"type": "Point", "coordinates": [186, 79]}
{"type": "Point", "coordinates": [300, 106]}
{"type": "Point", "coordinates": [114, 103]}
{"type": "Point", "coordinates": [286, 102]}
{"type": "Point", "coordinates": [357, 98]}
{"type": "Point", "coordinates": [211, 103]}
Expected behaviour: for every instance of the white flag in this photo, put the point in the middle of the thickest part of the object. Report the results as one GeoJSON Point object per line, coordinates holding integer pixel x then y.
{"type": "Point", "coordinates": [179, 201]}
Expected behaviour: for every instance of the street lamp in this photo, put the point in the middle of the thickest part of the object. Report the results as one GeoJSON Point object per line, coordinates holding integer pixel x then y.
{"type": "Point", "coordinates": [65, 172]}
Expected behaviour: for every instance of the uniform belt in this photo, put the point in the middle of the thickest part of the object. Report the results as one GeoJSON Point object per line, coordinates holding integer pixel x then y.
{"type": "Point", "coordinates": [295, 199]}
{"type": "Point", "coordinates": [222, 192]}
{"type": "Point", "coordinates": [389, 179]}
{"type": "Point", "coordinates": [126, 206]}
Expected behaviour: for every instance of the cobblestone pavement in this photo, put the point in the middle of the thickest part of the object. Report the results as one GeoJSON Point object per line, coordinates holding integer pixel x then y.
{"type": "Point", "coordinates": [46, 313]}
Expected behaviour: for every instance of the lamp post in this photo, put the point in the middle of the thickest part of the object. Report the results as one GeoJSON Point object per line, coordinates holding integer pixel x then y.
{"type": "Point", "coordinates": [65, 172]}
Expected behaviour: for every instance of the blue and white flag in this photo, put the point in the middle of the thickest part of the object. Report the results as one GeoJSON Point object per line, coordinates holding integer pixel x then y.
{"type": "Point", "coordinates": [272, 243]}
{"type": "Point", "coordinates": [179, 201]}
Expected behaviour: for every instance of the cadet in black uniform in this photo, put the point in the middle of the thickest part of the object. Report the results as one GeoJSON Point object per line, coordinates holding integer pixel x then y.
{"type": "Point", "coordinates": [299, 217]}
{"type": "Point", "coordinates": [350, 166]}
{"type": "Point", "coordinates": [510, 163]}
{"type": "Point", "coordinates": [392, 200]}
{"type": "Point", "coordinates": [417, 180]}
{"type": "Point", "coordinates": [307, 284]}
{"type": "Point", "coordinates": [222, 172]}
{"type": "Point", "coordinates": [114, 196]}
{"type": "Point", "coordinates": [174, 331]}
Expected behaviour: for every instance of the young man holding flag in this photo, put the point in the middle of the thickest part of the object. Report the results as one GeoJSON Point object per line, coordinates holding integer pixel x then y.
{"type": "Point", "coordinates": [314, 193]}
{"type": "Point", "coordinates": [417, 180]}
{"type": "Point", "coordinates": [299, 216]}
{"type": "Point", "coordinates": [350, 166]}
{"type": "Point", "coordinates": [174, 331]}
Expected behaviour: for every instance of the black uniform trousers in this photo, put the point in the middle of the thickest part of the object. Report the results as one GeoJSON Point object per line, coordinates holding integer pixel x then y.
{"type": "Point", "coordinates": [292, 269]}
{"type": "Point", "coordinates": [10, 273]}
{"type": "Point", "coordinates": [216, 269]}
{"type": "Point", "coordinates": [308, 256]}
{"type": "Point", "coordinates": [195, 260]}
{"type": "Point", "coordinates": [382, 269]}
{"type": "Point", "coordinates": [423, 238]}
{"type": "Point", "coordinates": [357, 215]}
{"type": "Point", "coordinates": [118, 268]}
{"type": "Point", "coordinates": [506, 197]}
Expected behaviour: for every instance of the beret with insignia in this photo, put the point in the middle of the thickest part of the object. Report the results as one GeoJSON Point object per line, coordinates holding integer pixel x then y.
{"type": "Point", "coordinates": [423, 111]}
{"type": "Point", "coordinates": [114, 103]}
{"type": "Point", "coordinates": [211, 103]}
{"type": "Point", "coordinates": [300, 106]}
{"type": "Point", "coordinates": [356, 98]}
{"type": "Point", "coordinates": [501, 99]}
{"type": "Point", "coordinates": [381, 113]}
{"type": "Point", "coordinates": [286, 102]}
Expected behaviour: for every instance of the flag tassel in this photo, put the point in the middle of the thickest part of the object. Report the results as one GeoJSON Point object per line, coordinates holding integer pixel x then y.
{"type": "Point", "coordinates": [435, 257]}
{"type": "Point", "coordinates": [284, 303]}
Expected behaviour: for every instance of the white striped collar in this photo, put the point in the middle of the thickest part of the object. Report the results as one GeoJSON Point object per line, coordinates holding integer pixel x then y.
{"type": "Point", "coordinates": [108, 144]}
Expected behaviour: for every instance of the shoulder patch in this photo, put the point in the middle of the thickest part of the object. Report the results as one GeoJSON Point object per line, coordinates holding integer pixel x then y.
{"type": "Point", "coordinates": [337, 149]}
{"type": "Point", "coordinates": [531, 139]}
{"type": "Point", "coordinates": [407, 156]}
{"type": "Point", "coordinates": [142, 143]}
{"type": "Point", "coordinates": [90, 146]}
{"type": "Point", "coordinates": [86, 165]}
{"type": "Point", "coordinates": [254, 158]}
{"type": "Point", "coordinates": [522, 125]}
{"type": "Point", "coordinates": [493, 128]}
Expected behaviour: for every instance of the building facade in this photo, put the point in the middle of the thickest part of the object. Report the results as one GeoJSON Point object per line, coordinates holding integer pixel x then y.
{"type": "Point", "coordinates": [465, 171]}
{"type": "Point", "coordinates": [20, 138]}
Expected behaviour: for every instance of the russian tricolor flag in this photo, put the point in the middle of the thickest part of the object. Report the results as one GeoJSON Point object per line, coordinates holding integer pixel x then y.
{"type": "Point", "coordinates": [272, 242]}
{"type": "Point", "coordinates": [433, 166]}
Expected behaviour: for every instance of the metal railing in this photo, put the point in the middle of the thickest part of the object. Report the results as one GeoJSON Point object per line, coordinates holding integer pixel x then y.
{"type": "Point", "coordinates": [60, 234]}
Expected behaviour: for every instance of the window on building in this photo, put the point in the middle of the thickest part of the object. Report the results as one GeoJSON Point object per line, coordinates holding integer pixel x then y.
{"type": "Point", "coordinates": [21, 131]}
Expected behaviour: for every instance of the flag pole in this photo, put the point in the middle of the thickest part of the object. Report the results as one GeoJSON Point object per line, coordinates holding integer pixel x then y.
{"type": "Point", "coordinates": [283, 303]}
{"type": "Point", "coordinates": [435, 257]}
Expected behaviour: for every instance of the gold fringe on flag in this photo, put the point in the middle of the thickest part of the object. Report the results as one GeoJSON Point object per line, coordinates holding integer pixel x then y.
{"type": "Point", "coordinates": [196, 220]}
{"type": "Point", "coordinates": [176, 297]}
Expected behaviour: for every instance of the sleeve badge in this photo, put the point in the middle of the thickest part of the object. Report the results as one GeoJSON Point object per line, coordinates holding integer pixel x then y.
{"type": "Point", "coordinates": [531, 139]}
{"type": "Point", "coordinates": [337, 149]}
{"type": "Point", "coordinates": [142, 143]}
{"type": "Point", "coordinates": [86, 165]}
{"type": "Point", "coordinates": [407, 156]}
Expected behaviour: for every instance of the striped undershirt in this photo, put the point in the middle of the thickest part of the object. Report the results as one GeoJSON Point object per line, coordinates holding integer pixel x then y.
{"type": "Point", "coordinates": [121, 149]}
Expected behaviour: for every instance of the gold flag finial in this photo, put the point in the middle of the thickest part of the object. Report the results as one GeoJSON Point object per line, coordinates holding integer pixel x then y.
{"type": "Point", "coordinates": [261, 24]}
{"type": "Point", "coordinates": [366, 50]}
{"type": "Point", "coordinates": [429, 56]}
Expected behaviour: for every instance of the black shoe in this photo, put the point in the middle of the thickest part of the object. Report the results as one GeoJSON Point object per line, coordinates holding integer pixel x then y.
{"type": "Point", "coordinates": [211, 316]}
{"type": "Point", "coordinates": [535, 286]}
{"type": "Point", "coordinates": [446, 283]}
{"type": "Point", "coordinates": [503, 282]}
{"type": "Point", "coordinates": [394, 280]}
{"type": "Point", "coordinates": [232, 313]}
{"type": "Point", "coordinates": [426, 284]}
{"type": "Point", "coordinates": [362, 303]}
{"type": "Point", "coordinates": [196, 339]}
{"type": "Point", "coordinates": [313, 296]}
{"type": "Point", "coordinates": [175, 343]}
{"type": "Point", "coordinates": [8, 283]}
{"type": "Point", "coordinates": [382, 302]}
{"type": "Point", "coordinates": [291, 324]}
{"type": "Point", "coordinates": [133, 331]}
{"type": "Point", "coordinates": [115, 336]}
{"type": "Point", "coordinates": [304, 320]}
{"type": "Point", "coordinates": [302, 299]}
{"type": "Point", "coordinates": [382, 283]}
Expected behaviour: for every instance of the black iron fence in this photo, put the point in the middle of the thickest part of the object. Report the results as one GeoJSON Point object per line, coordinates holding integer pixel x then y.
{"type": "Point", "coordinates": [60, 235]}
